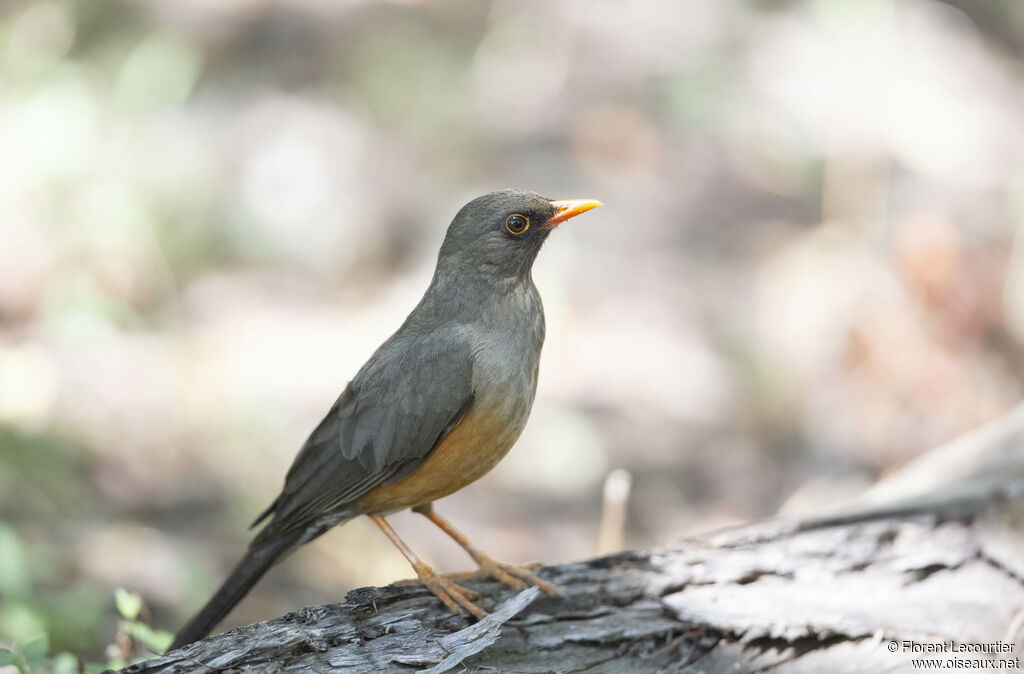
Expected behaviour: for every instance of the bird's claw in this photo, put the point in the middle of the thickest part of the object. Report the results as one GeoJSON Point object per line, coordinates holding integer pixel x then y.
{"type": "Point", "coordinates": [453, 595]}
{"type": "Point", "coordinates": [519, 577]}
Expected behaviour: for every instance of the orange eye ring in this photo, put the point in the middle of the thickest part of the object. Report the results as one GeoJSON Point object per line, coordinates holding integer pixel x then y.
{"type": "Point", "coordinates": [517, 224]}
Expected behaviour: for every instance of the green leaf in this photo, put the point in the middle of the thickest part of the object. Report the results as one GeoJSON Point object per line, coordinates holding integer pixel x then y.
{"type": "Point", "coordinates": [157, 640]}
{"type": "Point", "coordinates": [6, 657]}
{"type": "Point", "coordinates": [129, 604]}
{"type": "Point", "coordinates": [36, 650]}
{"type": "Point", "coordinates": [64, 663]}
{"type": "Point", "coordinates": [20, 622]}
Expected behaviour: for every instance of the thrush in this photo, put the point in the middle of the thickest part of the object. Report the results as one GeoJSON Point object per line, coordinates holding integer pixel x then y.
{"type": "Point", "coordinates": [437, 406]}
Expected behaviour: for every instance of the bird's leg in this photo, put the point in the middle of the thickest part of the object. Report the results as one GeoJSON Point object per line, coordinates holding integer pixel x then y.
{"type": "Point", "coordinates": [454, 596]}
{"type": "Point", "coordinates": [510, 574]}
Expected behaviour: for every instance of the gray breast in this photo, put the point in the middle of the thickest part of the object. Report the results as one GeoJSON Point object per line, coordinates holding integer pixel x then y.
{"type": "Point", "coordinates": [506, 347]}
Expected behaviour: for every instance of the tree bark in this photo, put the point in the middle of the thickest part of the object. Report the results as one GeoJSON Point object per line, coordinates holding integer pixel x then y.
{"type": "Point", "coordinates": [826, 600]}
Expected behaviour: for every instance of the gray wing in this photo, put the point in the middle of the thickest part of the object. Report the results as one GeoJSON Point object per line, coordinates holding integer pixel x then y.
{"type": "Point", "coordinates": [382, 427]}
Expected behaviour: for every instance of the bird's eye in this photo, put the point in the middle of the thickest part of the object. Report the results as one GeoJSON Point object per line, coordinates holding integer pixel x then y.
{"type": "Point", "coordinates": [517, 224]}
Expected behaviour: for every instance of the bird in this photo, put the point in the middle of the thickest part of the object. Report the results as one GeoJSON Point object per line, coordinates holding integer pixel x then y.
{"type": "Point", "coordinates": [436, 406]}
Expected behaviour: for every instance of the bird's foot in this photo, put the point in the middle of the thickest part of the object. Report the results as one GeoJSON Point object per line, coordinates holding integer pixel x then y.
{"type": "Point", "coordinates": [519, 577]}
{"type": "Point", "coordinates": [453, 595]}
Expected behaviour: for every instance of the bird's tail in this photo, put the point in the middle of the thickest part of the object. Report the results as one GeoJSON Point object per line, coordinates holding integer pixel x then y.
{"type": "Point", "coordinates": [249, 570]}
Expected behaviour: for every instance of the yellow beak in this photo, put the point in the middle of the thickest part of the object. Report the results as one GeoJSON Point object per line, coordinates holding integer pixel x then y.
{"type": "Point", "coordinates": [570, 208]}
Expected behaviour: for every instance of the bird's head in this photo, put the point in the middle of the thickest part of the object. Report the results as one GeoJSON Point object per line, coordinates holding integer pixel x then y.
{"type": "Point", "coordinates": [500, 233]}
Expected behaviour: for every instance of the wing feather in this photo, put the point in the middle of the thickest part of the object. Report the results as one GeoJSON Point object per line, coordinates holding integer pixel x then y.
{"type": "Point", "coordinates": [409, 395]}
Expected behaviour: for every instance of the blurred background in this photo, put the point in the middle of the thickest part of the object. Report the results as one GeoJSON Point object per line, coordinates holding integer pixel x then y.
{"type": "Point", "coordinates": [807, 271]}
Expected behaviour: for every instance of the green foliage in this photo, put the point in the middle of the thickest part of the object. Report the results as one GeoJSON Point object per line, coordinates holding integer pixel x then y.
{"type": "Point", "coordinates": [32, 655]}
{"type": "Point", "coordinates": [129, 605]}
{"type": "Point", "coordinates": [42, 473]}
{"type": "Point", "coordinates": [32, 658]}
